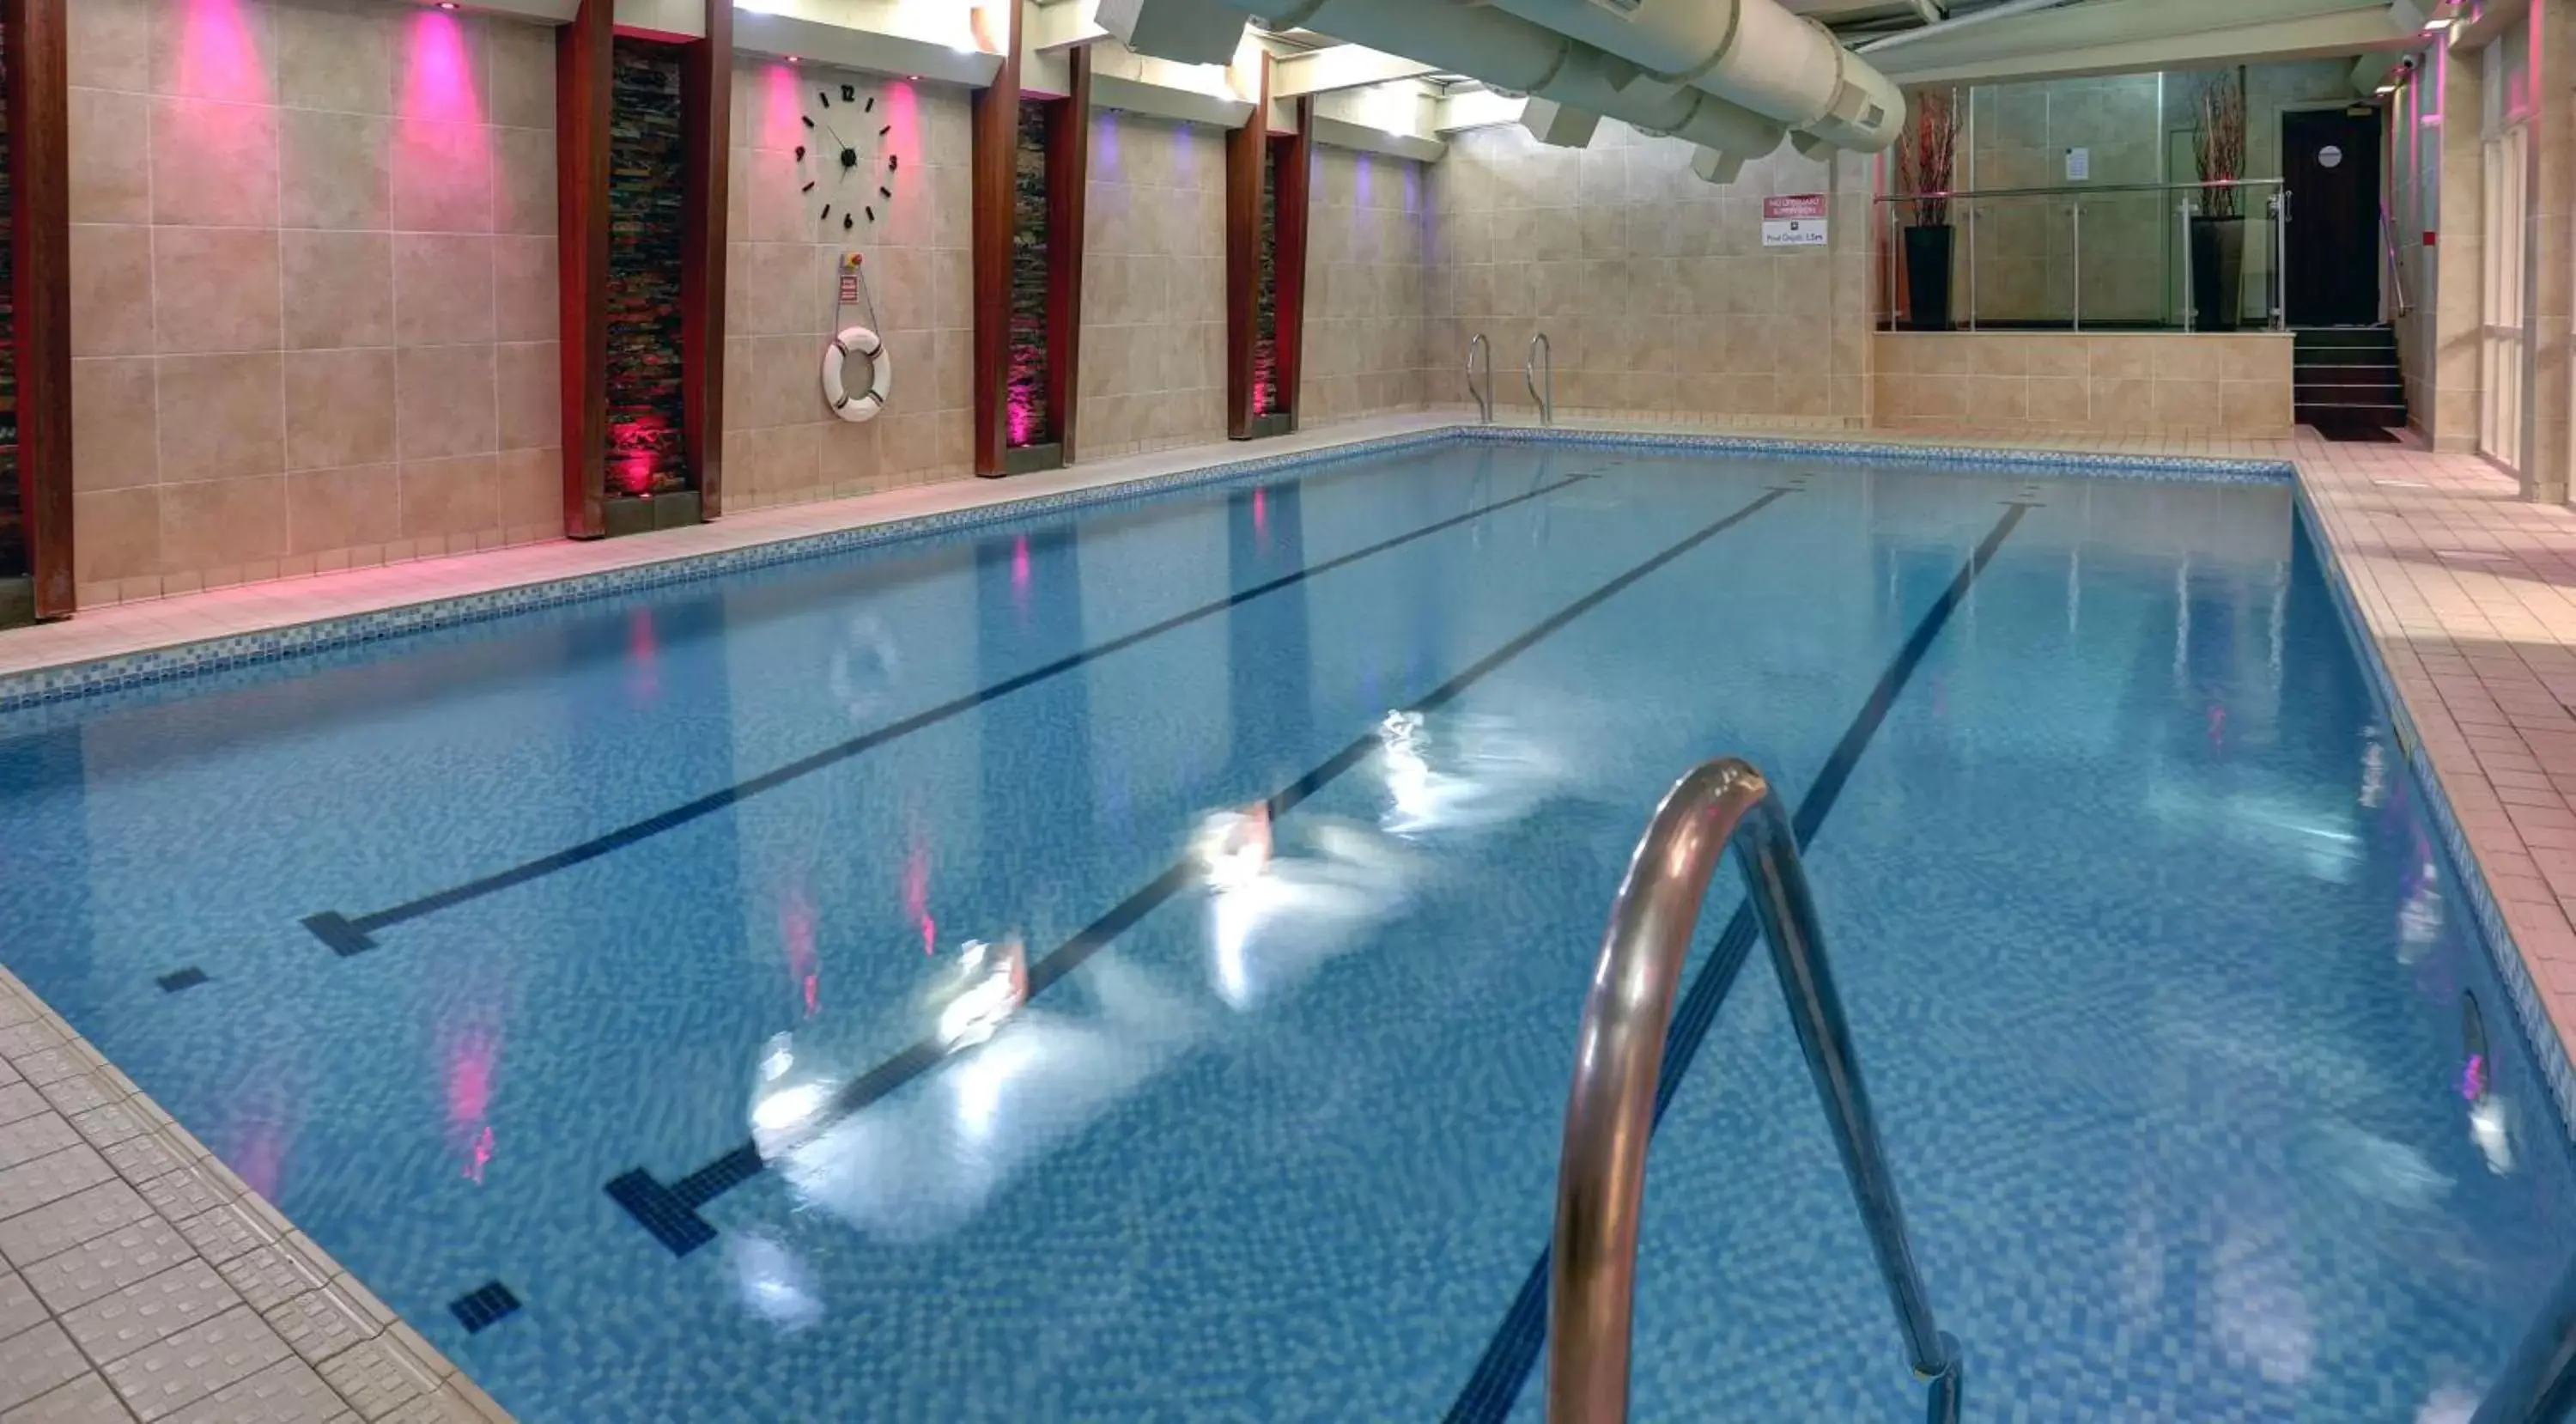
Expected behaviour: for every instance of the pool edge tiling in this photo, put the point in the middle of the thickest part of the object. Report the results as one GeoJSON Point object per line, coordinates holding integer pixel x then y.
{"type": "Point", "coordinates": [139, 1277]}
{"type": "Point", "coordinates": [2490, 736]}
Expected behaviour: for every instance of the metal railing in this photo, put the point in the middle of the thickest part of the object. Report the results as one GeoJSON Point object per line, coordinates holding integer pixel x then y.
{"type": "Point", "coordinates": [1484, 398]}
{"type": "Point", "coordinates": [1610, 1113]}
{"type": "Point", "coordinates": [2538, 1385]}
{"type": "Point", "coordinates": [2054, 235]}
{"type": "Point", "coordinates": [1543, 397]}
{"type": "Point", "coordinates": [2398, 305]}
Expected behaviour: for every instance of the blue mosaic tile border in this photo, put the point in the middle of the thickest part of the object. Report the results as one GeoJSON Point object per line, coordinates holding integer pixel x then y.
{"type": "Point", "coordinates": [1875, 452]}
{"type": "Point", "coordinates": [74, 680]}
{"type": "Point", "coordinates": [2547, 1048]}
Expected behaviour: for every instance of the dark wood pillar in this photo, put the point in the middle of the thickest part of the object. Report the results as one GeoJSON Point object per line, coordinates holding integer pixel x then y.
{"type": "Point", "coordinates": [584, 96]}
{"type": "Point", "coordinates": [1068, 180]}
{"type": "Point", "coordinates": [1288, 209]}
{"type": "Point", "coordinates": [706, 131]}
{"type": "Point", "coordinates": [992, 180]}
{"type": "Point", "coordinates": [40, 234]}
{"type": "Point", "coordinates": [1247, 160]}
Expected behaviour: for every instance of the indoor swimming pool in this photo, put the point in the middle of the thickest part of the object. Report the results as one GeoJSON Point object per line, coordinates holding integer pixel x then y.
{"type": "Point", "coordinates": [1124, 963]}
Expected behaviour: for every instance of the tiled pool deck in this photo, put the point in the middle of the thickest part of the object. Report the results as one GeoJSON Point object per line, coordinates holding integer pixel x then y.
{"type": "Point", "coordinates": [140, 1280]}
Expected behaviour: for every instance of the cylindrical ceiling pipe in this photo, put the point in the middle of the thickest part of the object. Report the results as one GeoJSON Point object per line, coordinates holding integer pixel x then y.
{"type": "Point", "coordinates": [1511, 53]}
{"type": "Point", "coordinates": [1747, 52]}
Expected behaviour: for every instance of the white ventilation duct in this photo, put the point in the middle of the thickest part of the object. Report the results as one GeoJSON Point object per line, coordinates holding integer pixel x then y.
{"type": "Point", "coordinates": [1748, 52]}
{"type": "Point", "coordinates": [1731, 76]}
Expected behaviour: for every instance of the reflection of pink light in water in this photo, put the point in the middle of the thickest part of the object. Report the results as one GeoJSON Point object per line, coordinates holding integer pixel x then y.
{"type": "Point", "coordinates": [1261, 517]}
{"type": "Point", "coordinates": [260, 1158]}
{"type": "Point", "coordinates": [473, 1064]}
{"type": "Point", "coordinates": [916, 893]}
{"type": "Point", "coordinates": [2218, 725]}
{"type": "Point", "coordinates": [218, 57]}
{"type": "Point", "coordinates": [643, 656]}
{"type": "Point", "coordinates": [1020, 572]}
{"type": "Point", "coordinates": [796, 925]}
{"type": "Point", "coordinates": [2473, 1078]}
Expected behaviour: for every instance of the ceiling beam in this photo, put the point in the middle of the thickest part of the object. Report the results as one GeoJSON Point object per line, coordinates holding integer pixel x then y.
{"type": "Point", "coordinates": [2131, 36]}
{"type": "Point", "coordinates": [1348, 66]}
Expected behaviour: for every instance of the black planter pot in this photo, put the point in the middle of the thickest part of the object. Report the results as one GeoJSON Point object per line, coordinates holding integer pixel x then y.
{"type": "Point", "coordinates": [1927, 278]}
{"type": "Point", "coordinates": [2217, 272]}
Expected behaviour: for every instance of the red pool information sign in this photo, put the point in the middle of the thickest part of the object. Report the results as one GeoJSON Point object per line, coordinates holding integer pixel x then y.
{"type": "Point", "coordinates": [1794, 220]}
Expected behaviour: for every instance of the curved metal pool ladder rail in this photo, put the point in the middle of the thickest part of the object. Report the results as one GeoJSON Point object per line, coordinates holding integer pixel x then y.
{"type": "Point", "coordinates": [1610, 1114]}
{"type": "Point", "coordinates": [2538, 1385]}
{"type": "Point", "coordinates": [1484, 397]}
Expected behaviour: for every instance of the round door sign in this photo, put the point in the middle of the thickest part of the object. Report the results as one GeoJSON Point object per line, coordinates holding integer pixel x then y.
{"type": "Point", "coordinates": [2330, 156]}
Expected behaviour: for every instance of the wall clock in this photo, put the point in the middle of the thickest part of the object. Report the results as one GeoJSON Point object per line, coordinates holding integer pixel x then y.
{"type": "Point", "coordinates": [845, 174]}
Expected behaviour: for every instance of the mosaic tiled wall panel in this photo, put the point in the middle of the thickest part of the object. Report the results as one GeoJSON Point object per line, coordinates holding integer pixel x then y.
{"type": "Point", "coordinates": [646, 168]}
{"type": "Point", "coordinates": [1031, 423]}
{"type": "Point", "coordinates": [1265, 287]}
{"type": "Point", "coordinates": [13, 525]}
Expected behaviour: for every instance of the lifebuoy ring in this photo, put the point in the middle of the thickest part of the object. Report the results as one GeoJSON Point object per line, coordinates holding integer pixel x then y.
{"type": "Point", "coordinates": [865, 404]}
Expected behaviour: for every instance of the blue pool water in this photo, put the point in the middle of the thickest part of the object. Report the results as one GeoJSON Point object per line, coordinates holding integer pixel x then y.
{"type": "Point", "coordinates": [2151, 958]}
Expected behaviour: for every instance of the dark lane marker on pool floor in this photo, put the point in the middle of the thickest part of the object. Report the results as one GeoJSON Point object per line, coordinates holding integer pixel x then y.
{"type": "Point", "coordinates": [671, 1212]}
{"type": "Point", "coordinates": [348, 935]}
{"type": "Point", "coordinates": [1505, 1367]}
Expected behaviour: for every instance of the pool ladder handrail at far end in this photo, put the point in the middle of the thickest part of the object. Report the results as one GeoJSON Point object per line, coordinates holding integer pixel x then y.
{"type": "Point", "coordinates": [1610, 1112]}
{"type": "Point", "coordinates": [1541, 354]}
{"type": "Point", "coordinates": [1485, 397]}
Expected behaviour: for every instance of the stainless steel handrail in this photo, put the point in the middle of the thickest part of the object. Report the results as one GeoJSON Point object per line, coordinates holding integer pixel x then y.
{"type": "Point", "coordinates": [2538, 1385]}
{"type": "Point", "coordinates": [2396, 274]}
{"type": "Point", "coordinates": [1610, 1114]}
{"type": "Point", "coordinates": [1485, 397]}
{"type": "Point", "coordinates": [2073, 189]}
{"type": "Point", "coordinates": [1544, 399]}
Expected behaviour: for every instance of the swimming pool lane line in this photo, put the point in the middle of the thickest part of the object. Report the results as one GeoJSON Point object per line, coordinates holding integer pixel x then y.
{"type": "Point", "coordinates": [670, 1212]}
{"type": "Point", "coordinates": [1504, 1368]}
{"type": "Point", "coordinates": [347, 935]}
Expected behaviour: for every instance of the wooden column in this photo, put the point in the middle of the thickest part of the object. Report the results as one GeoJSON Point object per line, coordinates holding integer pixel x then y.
{"type": "Point", "coordinates": [1246, 159]}
{"type": "Point", "coordinates": [1296, 181]}
{"type": "Point", "coordinates": [1068, 180]}
{"type": "Point", "coordinates": [584, 96]}
{"type": "Point", "coordinates": [706, 130]}
{"type": "Point", "coordinates": [40, 233]}
{"type": "Point", "coordinates": [992, 180]}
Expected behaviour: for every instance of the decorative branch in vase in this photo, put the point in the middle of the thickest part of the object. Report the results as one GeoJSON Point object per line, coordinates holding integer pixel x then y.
{"type": "Point", "coordinates": [2218, 230]}
{"type": "Point", "coordinates": [1926, 157]}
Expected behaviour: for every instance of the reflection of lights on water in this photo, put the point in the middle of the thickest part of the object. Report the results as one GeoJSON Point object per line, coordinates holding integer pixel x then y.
{"type": "Point", "coordinates": [2493, 1136]}
{"type": "Point", "coordinates": [1271, 927]}
{"type": "Point", "coordinates": [983, 1082]}
{"type": "Point", "coordinates": [2447, 1404]}
{"type": "Point", "coordinates": [865, 668]}
{"type": "Point", "coordinates": [781, 1109]}
{"type": "Point", "coordinates": [2419, 916]}
{"type": "Point", "coordinates": [789, 1108]}
{"type": "Point", "coordinates": [2374, 774]}
{"type": "Point", "coordinates": [1493, 772]}
{"type": "Point", "coordinates": [774, 1284]}
{"type": "Point", "coordinates": [1232, 847]}
{"type": "Point", "coordinates": [992, 983]}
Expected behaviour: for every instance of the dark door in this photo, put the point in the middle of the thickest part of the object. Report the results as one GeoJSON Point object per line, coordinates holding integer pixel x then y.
{"type": "Point", "coordinates": [2330, 158]}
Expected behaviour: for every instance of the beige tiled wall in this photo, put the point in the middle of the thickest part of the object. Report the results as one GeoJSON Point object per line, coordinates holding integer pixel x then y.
{"type": "Point", "coordinates": [1367, 250]}
{"type": "Point", "coordinates": [1653, 287]}
{"type": "Point", "coordinates": [1153, 287]}
{"type": "Point", "coordinates": [782, 442]}
{"type": "Point", "coordinates": [2048, 383]}
{"type": "Point", "coordinates": [313, 288]}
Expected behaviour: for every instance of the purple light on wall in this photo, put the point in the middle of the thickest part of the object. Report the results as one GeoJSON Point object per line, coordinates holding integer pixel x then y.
{"type": "Point", "coordinates": [218, 56]}
{"type": "Point", "coordinates": [438, 71]}
{"type": "Point", "coordinates": [781, 108]}
{"type": "Point", "coordinates": [1104, 144]}
{"type": "Point", "coordinates": [903, 124]}
{"type": "Point", "coordinates": [1023, 414]}
{"type": "Point", "coordinates": [1363, 181]}
{"type": "Point", "coordinates": [1413, 187]}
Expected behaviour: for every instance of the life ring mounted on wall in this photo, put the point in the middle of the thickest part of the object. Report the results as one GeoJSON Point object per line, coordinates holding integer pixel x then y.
{"type": "Point", "coordinates": [865, 404]}
{"type": "Point", "coordinates": [856, 406]}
